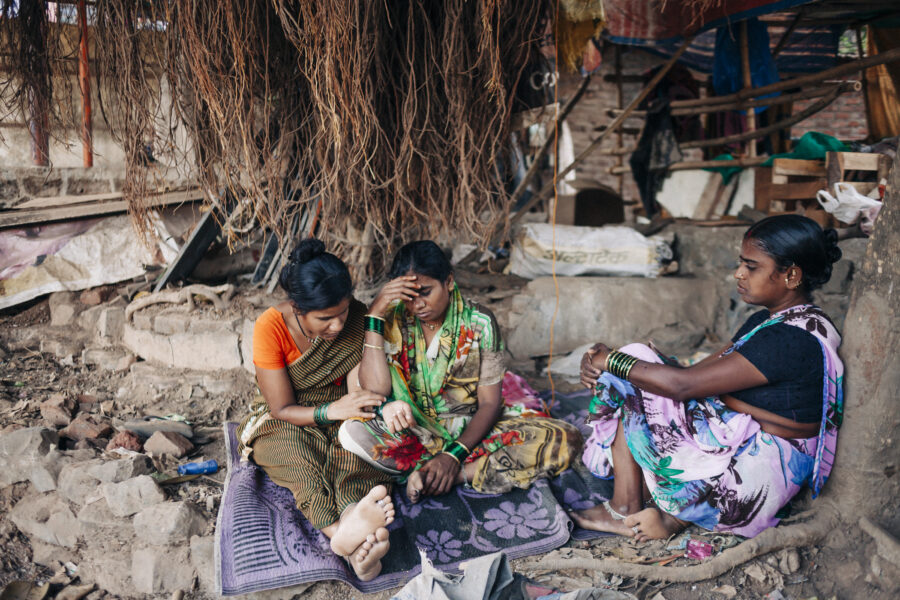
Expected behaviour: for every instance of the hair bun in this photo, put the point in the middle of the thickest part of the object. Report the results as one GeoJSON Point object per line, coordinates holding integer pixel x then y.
{"type": "Point", "coordinates": [832, 251]}
{"type": "Point", "coordinates": [307, 250]}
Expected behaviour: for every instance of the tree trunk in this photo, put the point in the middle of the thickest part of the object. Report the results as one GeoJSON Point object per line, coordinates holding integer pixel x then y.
{"type": "Point", "coordinates": [865, 481]}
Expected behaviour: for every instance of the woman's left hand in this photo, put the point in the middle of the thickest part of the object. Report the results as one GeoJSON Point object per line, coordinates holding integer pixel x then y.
{"type": "Point", "coordinates": [439, 474]}
{"type": "Point", "coordinates": [596, 355]}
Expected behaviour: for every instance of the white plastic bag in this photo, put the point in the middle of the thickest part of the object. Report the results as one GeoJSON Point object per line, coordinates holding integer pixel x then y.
{"type": "Point", "coordinates": [607, 250]}
{"type": "Point", "coordinates": [850, 205]}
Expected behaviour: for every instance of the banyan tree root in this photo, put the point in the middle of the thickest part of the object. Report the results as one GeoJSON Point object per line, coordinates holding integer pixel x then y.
{"type": "Point", "coordinates": [219, 296]}
{"type": "Point", "coordinates": [823, 520]}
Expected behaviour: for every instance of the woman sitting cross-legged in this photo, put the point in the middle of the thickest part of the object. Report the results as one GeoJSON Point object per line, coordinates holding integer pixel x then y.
{"type": "Point", "coordinates": [306, 352]}
{"type": "Point", "coordinates": [725, 443]}
{"type": "Point", "coordinates": [442, 360]}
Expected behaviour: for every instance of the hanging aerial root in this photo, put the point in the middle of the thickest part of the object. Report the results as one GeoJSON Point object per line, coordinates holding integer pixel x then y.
{"type": "Point", "coordinates": [822, 521]}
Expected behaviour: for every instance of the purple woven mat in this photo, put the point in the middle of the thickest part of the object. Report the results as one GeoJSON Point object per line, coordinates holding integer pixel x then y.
{"type": "Point", "coordinates": [263, 542]}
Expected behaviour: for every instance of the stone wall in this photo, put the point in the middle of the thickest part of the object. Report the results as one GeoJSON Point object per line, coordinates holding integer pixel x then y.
{"type": "Point", "coordinates": [696, 309]}
{"type": "Point", "coordinates": [18, 184]}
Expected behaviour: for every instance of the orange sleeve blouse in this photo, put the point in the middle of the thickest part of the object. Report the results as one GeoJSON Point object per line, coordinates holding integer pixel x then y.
{"type": "Point", "coordinates": [273, 346]}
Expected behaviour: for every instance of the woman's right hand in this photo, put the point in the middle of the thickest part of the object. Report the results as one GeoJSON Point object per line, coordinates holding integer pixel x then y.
{"type": "Point", "coordinates": [589, 372]}
{"type": "Point", "coordinates": [357, 404]}
{"type": "Point", "coordinates": [397, 416]}
{"type": "Point", "coordinates": [402, 288]}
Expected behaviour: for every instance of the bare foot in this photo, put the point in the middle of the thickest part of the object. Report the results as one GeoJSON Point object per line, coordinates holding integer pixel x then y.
{"type": "Point", "coordinates": [599, 518]}
{"type": "Point", "coordinates": [361, 519]}
{"type": "Point", "coordinates": [414, 487]}
{"type": "Point", "coordinates": [654, 524]}
{"type": "Point", "coordinates": [366, 562]}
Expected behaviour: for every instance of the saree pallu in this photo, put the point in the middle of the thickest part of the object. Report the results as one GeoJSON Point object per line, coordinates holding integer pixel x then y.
{"type": "Point", "coordinates": [707, 464]}
{"type": "Point", "coordinates": [442, 391]}
{"type": "Point", "coordinates": [323, 477]}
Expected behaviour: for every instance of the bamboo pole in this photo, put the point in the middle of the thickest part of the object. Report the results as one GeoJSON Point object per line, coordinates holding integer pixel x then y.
{"type": "Point", "coordinates": [84, 78]}
{"type": "Point", "coordinates": [832, 73]}
{"type": "Point", "coordinates": [846, 86]}
{"type": "Point", "coordinates": [547, 189]}
{"type": "Point", "coordinates": [865, 83]}
{"type": "Point", "coordinates": [535, 164]}
{"type": "Point", "coordinates": [782, 43]}
{"type": "Point", "coordinates": [703, 164]}
{"type": "Point", "coordinates": [748, 84]}
{"type": "Point", "coordinates": [620, 101]}
{"type": "Point", "coordinates": [740, 137]}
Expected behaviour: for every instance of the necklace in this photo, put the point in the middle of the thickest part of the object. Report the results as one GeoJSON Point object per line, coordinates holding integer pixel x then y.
{"type": "Point", "coordinates": [308, 339]}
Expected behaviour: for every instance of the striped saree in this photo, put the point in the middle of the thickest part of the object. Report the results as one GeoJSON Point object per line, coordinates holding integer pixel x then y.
{"type": "Point", "coordinates": [323, 477]}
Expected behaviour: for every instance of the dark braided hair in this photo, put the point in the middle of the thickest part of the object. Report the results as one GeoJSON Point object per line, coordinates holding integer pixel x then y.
{"type": "Point", "coordinates": [794, 240]}
{"type": "Point", "coordinates": [315, 279]}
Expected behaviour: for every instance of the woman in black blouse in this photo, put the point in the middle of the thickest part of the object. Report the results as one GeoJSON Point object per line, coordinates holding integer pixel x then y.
{"type": "Point", "coordinates": [725, 443]}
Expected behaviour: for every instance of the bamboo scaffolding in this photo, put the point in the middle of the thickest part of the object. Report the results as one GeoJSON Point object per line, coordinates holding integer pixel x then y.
{"type": "Point", "coordinates": [547, 189]}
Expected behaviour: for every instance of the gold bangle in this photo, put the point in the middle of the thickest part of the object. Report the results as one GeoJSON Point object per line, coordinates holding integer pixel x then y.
{"type": "Point", "coordinates": [374, 346]}
{"type": "Point", "coordinates": [375, 317]}
{"type": "Point", "coordinates": [606, 362]}
{"type": "Point", "coordinates": [451, 456]}
{"type": "Point", "coordinates": [468, 450]}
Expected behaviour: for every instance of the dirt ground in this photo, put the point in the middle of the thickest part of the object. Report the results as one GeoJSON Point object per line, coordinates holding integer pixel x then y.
{"type": "Point", "coordinates": [846, 566]}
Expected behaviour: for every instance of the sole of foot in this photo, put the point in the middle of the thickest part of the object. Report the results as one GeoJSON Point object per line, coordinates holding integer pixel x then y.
{"type": "Point", "coordinates": [653, 524]}
{"type": "Point", "coordinates": [368, 565]}
{"type": "Point", "coordinates": [375, 510]}
{"type": "Point", "coordinates": [598, 518]}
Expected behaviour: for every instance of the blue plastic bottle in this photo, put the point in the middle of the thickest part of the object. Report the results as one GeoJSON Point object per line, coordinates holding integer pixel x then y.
{"type": "Point", "coordinates": [192, 468]}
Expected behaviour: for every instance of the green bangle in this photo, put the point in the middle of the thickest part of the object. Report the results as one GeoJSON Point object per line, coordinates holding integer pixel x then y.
{"type": "Point", "coordinates": [375, 324]}
{"type": "Point", "coordinates": [620, 364]}
{"type": "Point", "coordinates": [457, 451]}
{"type": "Point", "coordinates": [320, 414]}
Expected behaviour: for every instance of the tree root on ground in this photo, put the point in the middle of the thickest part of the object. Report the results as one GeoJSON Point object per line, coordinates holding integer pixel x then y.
{"type": "Point", "coordinates": [812, 531]}
{"type": "Point", "coordinates": [887, 545]}
{"type": "Point", "coordinates": [218, 295]}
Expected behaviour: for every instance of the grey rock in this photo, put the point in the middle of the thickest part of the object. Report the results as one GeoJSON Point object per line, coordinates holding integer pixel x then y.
{"type": "Point", "coordinates": [87, 320]}
{"type": "Point", "coordinates": [614, 310]}
{"type": "Point", "coordinates": [62, 347]}
{"type": "Point", "coordinates": [111, 323]}
{"type": "Point", "coordinates": [31, 442]}
{"type": "Point", "coordinates": [109, 567]}
{"type": "Point", "coordinates": [47, 518]}
{"type": "Point", "coordinates": [148, 345]}
{"type": "Point", "coordinates": [132, 496]}
{"type": "Point", "coordinates": [169, 523]}
{"type": "Point", "coordinates": [161, 570]}
{"type": "Point", "coordinates": [77, 484]}
{"type": "Point", "coordinates": [247, 345]}
{"type": "Point", "coordinates": [64, 308]}
{"type": "Point", "coordinates": [171, 323]}
{"type": "Point", "coordinates": [210, 351]}
{"type": "Point", "coordinates": [147, 426]}
{"type": "Point", "coordinates": [50, 555]}
{"type": "Point", "coordinates": [98, 520]}
{"type": "Point", "coordinates": [44, 472]}
{"type": "Point", "coordinates": [203, 550]}
{"type": "Point", "coordinates": [22, 455]}
{"type": "Point", "coordinates": [117, 471]}
{"type": "Point", "coordinates": [105, 358]}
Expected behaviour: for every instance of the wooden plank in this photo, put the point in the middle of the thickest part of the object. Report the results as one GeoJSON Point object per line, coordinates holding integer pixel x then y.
{"type": "Point", "coordinates": [723, 199]}
{"type": "Point", "coordinates": [191, 253]}
{"type": "Point", "coordinates": [779, 179]}
{"type": "Point", "coordinates": [708, 196]}
{"type": "Point", "coordinates": [800, 190]}
{"type": "Point", "coordinates": [51, 201]}
{"type": "Point", "coordinates": [21, 218]}
{"type": "Point", "coordinates": [796, 166]}
{"type": "Point", "coordinates": [860, 161]}
{"type": "Point", "coordinates": [834, 169]}
{"type": "Point", "coordinates": [762, 187]}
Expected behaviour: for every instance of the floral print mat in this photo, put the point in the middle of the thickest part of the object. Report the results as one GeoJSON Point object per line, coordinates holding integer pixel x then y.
{"type": "Point", "coordinates": [263, 542]}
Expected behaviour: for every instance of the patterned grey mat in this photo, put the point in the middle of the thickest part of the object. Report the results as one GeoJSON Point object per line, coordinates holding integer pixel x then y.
{"type": "Point", "coordinates": [263, 542]}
